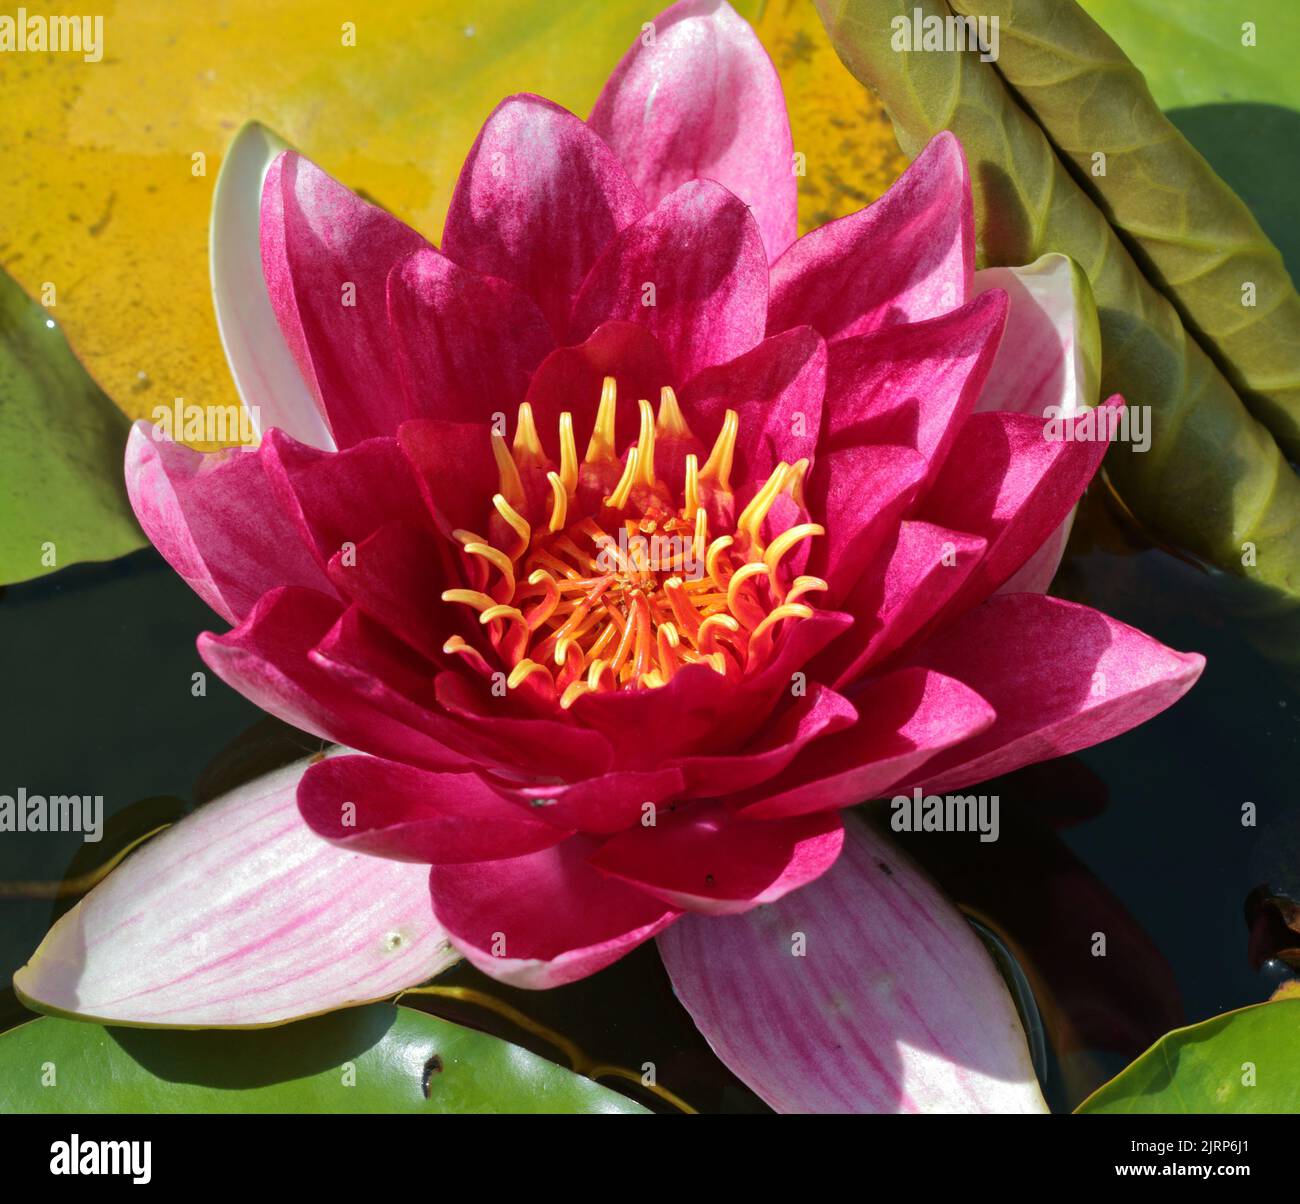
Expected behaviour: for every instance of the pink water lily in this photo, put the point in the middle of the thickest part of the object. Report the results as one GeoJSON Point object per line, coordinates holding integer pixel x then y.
{"type": "Point", "coordinates": [626, 539]}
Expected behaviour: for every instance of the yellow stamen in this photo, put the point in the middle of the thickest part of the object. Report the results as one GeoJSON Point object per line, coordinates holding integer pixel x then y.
{"type": "Point", "coordinates": [511, 487]}
{"type": "Point", "coordinates": [692, 490]}
{"type": "Point", "coordinates": [601, 446]}
{"type": "Point", "coordinates": [718, 466]}
{"type": "Point", "coordinates": [498, 559]}
{"type": "Point", "coordinates": [786, 540]}
{"type": "Point", "coordinates": [525, 669]}
{"type": "Point", "coordinates": [671, 422]}
{"type": "Point", "coordinates": [515, 519]}
{"type": "Point", "coordinates": [623, 490]}
{"type": "Point", "coordinates": [559, 502]}
{"type": "Point", "coordinates": [568, 453]}
{"type": "Point", "coordinates": [527, 446]}
{"type": "Point", "coordinates": [645, 445]}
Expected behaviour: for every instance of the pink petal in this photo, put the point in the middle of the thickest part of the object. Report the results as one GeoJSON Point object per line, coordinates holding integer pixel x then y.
{"type": "Point", "coordinates": [266, 659]}
{"type": "Point", "coordinates": [239, 917]}
{"type": "Point", "coordinates": [776, 390]}
{"type": "Point", "coordinates": [913, 384]}
{"type": "Point", "coordinates": [266, 375]}
{"type": "Point", "coordinates": [858, 494]}
{"type": "Point", "coordinates": [907, 718]}
{"type": "Point", "coordinates": [819, 713]}
{"type": "Point", "coordinates": [924, 569]}
{"type": "Point", "coordinates": [465, 344]}
{"type": "Point", "coordinates": [342, 497]}
{"type": "Point", "coordinates": [454, 469]}
{"type": "Point", "coordinates": [705, 859]}
{"type": "Point", "coordinates": [539, 197]}
{"type": "Point", "coordinates": [217, 522]}
{"type": "Point", "coordinates": [326, 255]}
{"type": "Point", "coordinates": [1013, 487]}
{"type": "Point", "coordinates": [545, 919]}
{"type": "Point", "coordinates": [375, 806]}
{"type": "Point", "coordinates": [700, 251]}
{"type": "Point", "coordinates": [1061, 677]}
{"type": "Point", "coordinates": [864, 992]}
{"type": "Point", "coordinates": [598, 805]}
{"type": "Point", "coordinates": [703, 100]}
{"type": "Point", "coordinates": [907, 257]}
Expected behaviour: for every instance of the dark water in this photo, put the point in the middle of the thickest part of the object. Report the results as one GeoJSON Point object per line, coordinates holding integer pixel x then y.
{"type": "Point", "coordinates": [1140, 839]}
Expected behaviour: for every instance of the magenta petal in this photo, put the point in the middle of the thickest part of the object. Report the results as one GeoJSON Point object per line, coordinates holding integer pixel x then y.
{"type": "Point", "coordinates": [913, 384]}
{"type": "Point", "coordinates": [375, 806]}
{"type": "Point", "coordinates": [705, 859]}
{"type": "Point", "coordinates": [1061, 677]}
{"type": "Point", "coordinates": [866, 991]}
{"type": "Point", "coordinates": [239, 916]}
{"type": "Point", "coordinates": [1011, 486]}
{"type": "Point", "coordinates": [545, 919]}
{"type": "Point", "coordinates": [858, 494]}
{"type": "Point", "coordinates": [266, 659]}
{"type": "Point", "coordinates": [908, 717]}
{"type": "Point", "coordinates": [216, 521]}
{"type": "Point", "coordinates": [339, 498]}
{"type": "Point", "coordinates": [819, 713]}
{"type": "Point", "coordinates": [776, 390]}
{"type": "Point", "coordinates": [598, 805]}
{"type": "Point", "coordinates": [326, 255]}
{"type": "Point", "coordinates": [539, 197]}
{"type": "Point", "coordinates": [700, 251]}
{"type": "Point", "coordinates": [454, 469]}
{"type": "Point", "coordinates": [925, 568]}
{"type": "Point", "coordinates": [702, 100]}
{"type": "Point", "coordinates": [906, 257]}
{"type": "Point", "coordinates": [465, 344]}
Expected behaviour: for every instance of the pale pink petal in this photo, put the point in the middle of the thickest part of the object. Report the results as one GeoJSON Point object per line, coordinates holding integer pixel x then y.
{"type": "Point", "coordinates": [239, 916]}
{"type": "Point", "coordinates": [696, 96]}
{"type": "Point", "coordinates": [864, 992]}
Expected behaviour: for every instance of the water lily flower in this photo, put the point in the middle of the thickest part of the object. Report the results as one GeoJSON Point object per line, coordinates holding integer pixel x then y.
{"type": "Point", "coordinates": [621, 542]}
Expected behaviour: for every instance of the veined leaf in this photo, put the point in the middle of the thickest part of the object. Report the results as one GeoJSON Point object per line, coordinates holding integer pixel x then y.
{"type": "Point", "coordinates": [1242, 1061]}
{"type": "Point", "coordinates": [1195, 238]}
{"type": "Point", "coordinates": [1213, 479]}
{"type": "Point", "coordinates": [372, 1059]}
{"type": "Point", "coordinates": [107, 169]}
{"type": "Point", "coordinates": [61, 493]}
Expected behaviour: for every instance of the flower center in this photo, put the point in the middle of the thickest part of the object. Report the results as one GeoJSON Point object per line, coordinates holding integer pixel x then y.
{"type": "Point", "coordinates": [614, 580]}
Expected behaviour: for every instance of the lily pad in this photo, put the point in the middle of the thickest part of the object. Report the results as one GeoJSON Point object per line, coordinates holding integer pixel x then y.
{"type": "Point", "coordinates": [62, 499]}
{"type": "Point", "coordinates": [1243, 1061]}
{"type": "Point", "coordinates": [372, 1059]}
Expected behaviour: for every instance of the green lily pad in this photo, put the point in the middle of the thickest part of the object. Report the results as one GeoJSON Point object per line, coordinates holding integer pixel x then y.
{"type": "Point", "coordinates": [1243, 1061]}
{"type": "Point", "coordinates": [62, 498]}
{"type": "Point", "coordinates": [378, 1058]}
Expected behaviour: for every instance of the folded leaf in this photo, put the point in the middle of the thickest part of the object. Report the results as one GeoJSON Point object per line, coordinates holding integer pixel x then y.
{"type": "Point", "coordinates": [61, 494]}
{"type": "Point", "coordinates": [1199, 243]}
{"type": "Point", "coordinates": [1213, 479]}
{"type": "Point", "coordinates": [1242, 1061]}
{"type": "Point", "coordinates": [239, 916]}
{"type": "Point", "coordinates": [372, 1059]}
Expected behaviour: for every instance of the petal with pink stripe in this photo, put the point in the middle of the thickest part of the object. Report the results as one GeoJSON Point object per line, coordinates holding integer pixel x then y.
{"type": "Point", "coordinates": [239, 916]}
{"type": "Point", "coordinates": [865, 991]}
